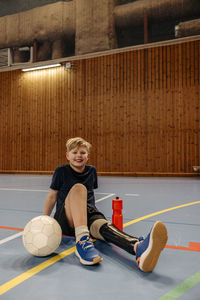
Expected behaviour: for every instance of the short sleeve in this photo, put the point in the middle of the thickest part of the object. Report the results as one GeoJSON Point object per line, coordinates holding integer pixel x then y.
{"type": "Point", "coordinates": [56, 180]}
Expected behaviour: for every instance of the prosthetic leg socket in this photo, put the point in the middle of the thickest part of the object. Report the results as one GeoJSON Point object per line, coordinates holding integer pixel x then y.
{"type": "Point", "coordinates": [119, 238]}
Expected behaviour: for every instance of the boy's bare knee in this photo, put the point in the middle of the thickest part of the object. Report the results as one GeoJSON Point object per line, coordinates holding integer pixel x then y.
{"type": "Point", "coordinates": [77, 191]}
{"type": "Point", "coordinates": [78, 188]}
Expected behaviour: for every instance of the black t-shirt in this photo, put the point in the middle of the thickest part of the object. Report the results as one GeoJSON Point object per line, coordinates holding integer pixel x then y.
{"type": "Point", "coordinates": [64, 178]}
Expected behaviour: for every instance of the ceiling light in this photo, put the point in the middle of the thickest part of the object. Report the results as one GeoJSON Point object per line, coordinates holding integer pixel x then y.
{"type": "Point", "coordinates": [41, 67]}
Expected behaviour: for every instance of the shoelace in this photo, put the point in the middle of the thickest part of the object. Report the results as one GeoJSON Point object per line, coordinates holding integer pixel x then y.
{"type": "Point", "coordinates": [141, 238]}
{"type": "Point", "coordinates": [87, 243]}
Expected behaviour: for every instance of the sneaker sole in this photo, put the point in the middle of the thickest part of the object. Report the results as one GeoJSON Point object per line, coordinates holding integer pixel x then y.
{"type": "Point", "coordinates": [158, 240]}
{"type": "Point", "coordinates": [95, 261]}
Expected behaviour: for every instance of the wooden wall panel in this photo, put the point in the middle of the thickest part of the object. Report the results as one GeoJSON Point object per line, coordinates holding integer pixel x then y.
{"type": "Point", "coordinates": [140, 110]}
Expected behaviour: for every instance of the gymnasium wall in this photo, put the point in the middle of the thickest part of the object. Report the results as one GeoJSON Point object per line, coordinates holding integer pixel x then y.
{"type": "Point", "coordinates": [140, 110]}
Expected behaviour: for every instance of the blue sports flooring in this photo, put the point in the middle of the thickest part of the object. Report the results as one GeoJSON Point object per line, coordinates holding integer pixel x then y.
{"type": "Point", "coordinates": [175, 201]}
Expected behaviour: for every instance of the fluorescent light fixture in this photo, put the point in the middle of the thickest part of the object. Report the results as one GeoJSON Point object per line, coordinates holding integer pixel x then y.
{"type": "Point", "coordinates": [41, 67]}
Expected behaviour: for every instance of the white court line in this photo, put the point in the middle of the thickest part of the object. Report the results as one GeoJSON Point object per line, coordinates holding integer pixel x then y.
{"type": "Point", "coordinates": [12, 237]}
{"type": "Point", "coordinates": [101, 193]}
{"type": "Point", "coordinates": [133, 195]}
{"type": "Point", "coordinates": [23, 190]}
{"type": "Point", "coordinates": [45, 191]}
{"type": "Point", "coordinates": [101, 199]}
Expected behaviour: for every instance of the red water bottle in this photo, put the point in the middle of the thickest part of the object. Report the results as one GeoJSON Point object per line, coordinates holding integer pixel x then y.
{"type": "Point", "coordinates": [117, 217]}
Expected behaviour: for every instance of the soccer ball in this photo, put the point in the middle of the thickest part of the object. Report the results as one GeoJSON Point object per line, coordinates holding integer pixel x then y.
{"type": "Point", "coordinates": [42, 236]}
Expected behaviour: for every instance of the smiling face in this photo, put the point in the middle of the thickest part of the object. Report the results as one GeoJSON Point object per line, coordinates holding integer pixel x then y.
{"type": "Point", "coordinates": [78, 158]}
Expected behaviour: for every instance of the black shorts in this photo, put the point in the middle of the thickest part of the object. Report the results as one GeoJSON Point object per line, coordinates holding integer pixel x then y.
{"type": "Point", "coordinates": [92, 215]}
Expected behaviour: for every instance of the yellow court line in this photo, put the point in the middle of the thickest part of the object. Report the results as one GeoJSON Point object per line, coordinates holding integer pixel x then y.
{"type": "Point", "coordinates": [26, 275]}
{"type": "Point", "coordinates": [159, 213]}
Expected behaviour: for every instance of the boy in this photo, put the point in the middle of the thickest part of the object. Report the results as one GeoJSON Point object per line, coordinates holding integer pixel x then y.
{"type": "Point", "coordinates": [72, 191]}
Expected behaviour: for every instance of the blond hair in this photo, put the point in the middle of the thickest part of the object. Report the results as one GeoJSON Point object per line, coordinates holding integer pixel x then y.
{"type": "Point", "coordinates": [77, 142]}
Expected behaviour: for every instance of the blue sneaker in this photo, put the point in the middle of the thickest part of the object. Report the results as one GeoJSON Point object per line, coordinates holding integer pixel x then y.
{"type": "Point", "coordinates": [148, 250]}
{"type": "Point", "coordinates": [86, 252]}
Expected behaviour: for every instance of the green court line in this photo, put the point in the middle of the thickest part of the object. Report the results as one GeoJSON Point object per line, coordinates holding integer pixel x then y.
{"type": "Point", "coordinates": [182, 288]}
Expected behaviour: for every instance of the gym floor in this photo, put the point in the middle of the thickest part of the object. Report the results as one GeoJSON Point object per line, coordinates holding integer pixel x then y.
{"type": "Point", "coordinates": [175, 201]}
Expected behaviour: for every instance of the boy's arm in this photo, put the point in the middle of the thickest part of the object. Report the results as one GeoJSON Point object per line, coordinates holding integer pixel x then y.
{"type": "Point", "coordinates": [50, 202]}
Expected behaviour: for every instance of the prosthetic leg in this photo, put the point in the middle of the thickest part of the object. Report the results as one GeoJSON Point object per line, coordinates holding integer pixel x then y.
{"type": "Point", "coordinates": [148, 251]}
{"type": "Point", "coordinates": [106, 231]}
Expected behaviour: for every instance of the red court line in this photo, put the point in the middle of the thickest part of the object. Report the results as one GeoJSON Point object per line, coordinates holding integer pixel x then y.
{"type": "Point", "coordinates": [21, 229]}
{"type": "Point", "coordinates": [192, 247]}
{"type": "Point", "coordinates": [11, 228]}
